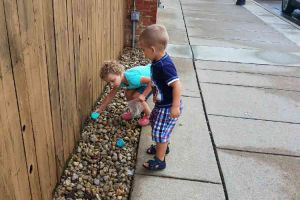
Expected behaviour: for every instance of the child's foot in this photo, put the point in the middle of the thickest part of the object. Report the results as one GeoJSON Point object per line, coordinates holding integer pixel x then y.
{"type": "Point", "coordinates": [144, 121]}
{"type": "Point", "coordinates": [152, 149]}
{"type": "Point", "coordinates": [127, 116]}
{"type": "Point", "coordinates": [155, 164]}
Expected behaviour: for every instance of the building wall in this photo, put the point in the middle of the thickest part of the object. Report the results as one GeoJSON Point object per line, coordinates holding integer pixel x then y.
{"type": "Point", "coordinates": [148, 16]}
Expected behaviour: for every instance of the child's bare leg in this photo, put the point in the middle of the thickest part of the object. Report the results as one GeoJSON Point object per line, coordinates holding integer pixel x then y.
{"type": "Point", "coordinates": [161, 149]}
{"type": "Point", "coordinates": [145, 105]}
{"type": "Point", "coordinates": [133, 94]}
{"type": "Point", "coordinates": [147, 109]}
{"type": "Point", "coordinates": [129, 94]}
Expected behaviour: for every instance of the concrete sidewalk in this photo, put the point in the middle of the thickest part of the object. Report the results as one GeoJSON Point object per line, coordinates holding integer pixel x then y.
{"type": "Point", "coordinates": [239, 135]}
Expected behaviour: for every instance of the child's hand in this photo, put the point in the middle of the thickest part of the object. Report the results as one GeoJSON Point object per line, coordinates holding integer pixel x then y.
{"type": "Point", "coordinates": [175, 111]}
{"type": "Point", "coordinates": [141, 97]}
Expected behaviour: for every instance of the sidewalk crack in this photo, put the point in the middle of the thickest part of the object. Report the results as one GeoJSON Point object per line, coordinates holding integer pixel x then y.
{"type": "Point", "coordinates": [204, 109]}
{"type": "Point", "coordinates": [258, 152]}
{"type": "Point", "coordinates": [179, 178]}
{"type": "Point", "coordinates": [251, 118]}
{"type": "Point", "coordinates": [250, 86]}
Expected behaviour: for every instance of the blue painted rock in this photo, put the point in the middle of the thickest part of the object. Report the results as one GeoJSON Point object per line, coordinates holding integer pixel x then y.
{"type": "Point", "coordinates": [120, 143]}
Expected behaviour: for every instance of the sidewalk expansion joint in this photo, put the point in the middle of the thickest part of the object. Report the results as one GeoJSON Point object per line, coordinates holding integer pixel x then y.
{"type": "Point", "coordinates": [179, 178]}
{"type": "Point", "coordinates": [250, 86]}
{"type": "Point", "coordinates": [191, 96]}
{"type": "Point", "coordinates": [252, 118]}
{"type": "Point", "coordinates": [250, 63]}
{"type": "Point", "coordinates": [238, 30]}
{"type": "Point", "coordinates": [204, 110]}
{"type": "Point", "coordinates": [258, 152]}
{"type": "Point", "coordinates": [245, 72]}
{"type": "Point", "coordinates": [237, 39]}
{"type": "Point", "coordinates": [236, 48]}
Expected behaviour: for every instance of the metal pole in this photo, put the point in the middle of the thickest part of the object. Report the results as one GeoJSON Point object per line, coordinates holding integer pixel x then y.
{"type": "Point", "coordinates": [133, 26]}
{"type": "Point", "coordinates": [133, 33]}
{"type": "Point", "coordinates": [135, 17]}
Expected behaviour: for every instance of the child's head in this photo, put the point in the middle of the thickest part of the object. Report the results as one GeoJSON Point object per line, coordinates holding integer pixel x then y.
{"type": "Point", "coordinates": [154, 40]}
{"type": "Point", "coordinates": [112, 72]}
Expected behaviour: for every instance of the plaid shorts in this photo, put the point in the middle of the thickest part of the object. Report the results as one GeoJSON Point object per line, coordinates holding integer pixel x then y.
{"type": "Point", "coordinates": [162, 124]}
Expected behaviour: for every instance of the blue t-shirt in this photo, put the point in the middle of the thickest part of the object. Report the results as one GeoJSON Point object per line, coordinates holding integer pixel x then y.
{"type": "Point", "coordinates": [163, 73]}
{"type": "Point", "coordinates": [134, 75]}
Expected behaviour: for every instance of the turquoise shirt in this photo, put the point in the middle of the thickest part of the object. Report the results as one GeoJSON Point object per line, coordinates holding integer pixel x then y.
{"type": "Point", "coordinates": [134, 75]}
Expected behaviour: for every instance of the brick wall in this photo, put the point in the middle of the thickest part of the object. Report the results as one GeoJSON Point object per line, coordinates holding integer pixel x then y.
{"type": "Point", "coordinates": [148, 15]}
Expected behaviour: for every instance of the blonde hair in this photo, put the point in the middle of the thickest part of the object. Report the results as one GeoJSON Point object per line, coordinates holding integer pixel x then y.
{"type": "Point", "coordinates": [155, 35]}
{"type": "Point", "coordinates": [111, 67]}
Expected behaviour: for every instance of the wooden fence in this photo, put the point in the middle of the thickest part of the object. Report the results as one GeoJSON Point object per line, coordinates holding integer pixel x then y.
{"type": "Point", "coordinates": [50, 54]}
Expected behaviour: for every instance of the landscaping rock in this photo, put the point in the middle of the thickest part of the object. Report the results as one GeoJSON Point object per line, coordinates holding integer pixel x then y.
{"type": "Point", "coordinates": [98, 169]}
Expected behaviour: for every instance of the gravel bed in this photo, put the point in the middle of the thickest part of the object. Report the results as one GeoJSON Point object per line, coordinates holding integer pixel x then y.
{"type": "Point", "coordinates": [98, 169]}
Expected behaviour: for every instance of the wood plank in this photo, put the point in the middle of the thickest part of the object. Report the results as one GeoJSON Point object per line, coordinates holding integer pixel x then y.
{"type": "Point", "coordinates": [13, 159]}
{"type": "Point", "coordinates": [24, 107]}
{"type": "Point", "coordinates": [124, 8]}
{"type": "Point", "coordinates": [100, 43]}
{"type": "Point", "coordinates": [62, 51]}
{"type": "Point", "coordinates": [76, 43]}
{"type": "Point", "coordinates": [74, 117]}
{"type": "Point", "coordinates": [118, 28]}
{"type": "Point", "coordinates": [78, 8]}
{"type": "Point", "coordinates": [50, 48]}
{"type": "Point", "coordinates": [6, 183]}
{"type": "Point", "coordinates": [76, 26]}
{"type": "Point", "coordinates": [94, 52]}
{"type": "Point", "coordinates": [84, 75]}
{"type": "Point", "coordinates": [7, 187]}
{"type": "Point", "coordinates": [120, 35]}
{"type": "Point", "coordinates": [44, 92]}
{"type": "Point", "coordinates": [98, 48]}
{"type": "Point", "coordinates": [39, 101]}
{"type": "Point", "coordinates": [90, 59]}
{"type": "Point", "coordinates": [9, 184]}
{"type": "Point", "coordinates": [97, 42]}
{"type": "Point", "coordinates": [119, 18]}
{"type": "Point", "coordinates": [106, 48]}
{"type": "Point", "coordinates": [81, 60]}
{"type": "Point", "coordinates": [112, 25]}
{"type": "Point", "coordinates": [115, 29]}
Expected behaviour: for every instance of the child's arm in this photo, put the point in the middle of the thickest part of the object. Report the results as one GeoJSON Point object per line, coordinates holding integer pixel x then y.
{"type": "Point", "coordinates": [175, 109]}
{"type": "Point", "coordinates": [145, 80]}
{"type": "Point", "coordinates": [107, 99]}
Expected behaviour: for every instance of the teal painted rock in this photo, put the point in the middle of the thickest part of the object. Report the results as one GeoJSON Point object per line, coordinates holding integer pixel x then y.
{"type": "Point", "coordinates": [95, 115]}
